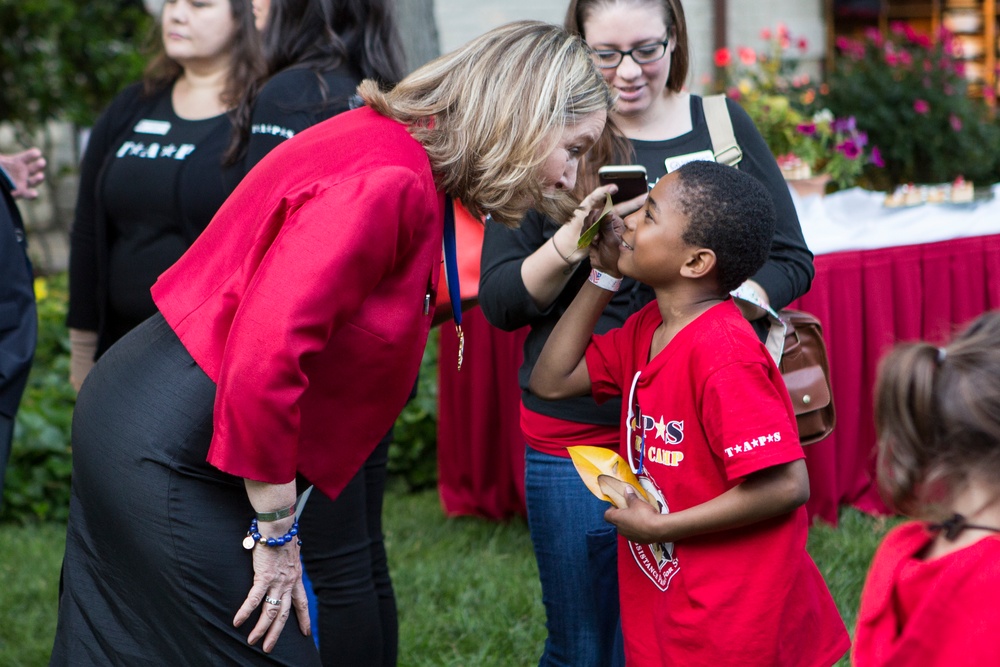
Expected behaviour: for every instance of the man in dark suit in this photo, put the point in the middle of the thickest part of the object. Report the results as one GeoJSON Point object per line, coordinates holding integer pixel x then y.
{"type": "Point", "coordinates": [18, 317]}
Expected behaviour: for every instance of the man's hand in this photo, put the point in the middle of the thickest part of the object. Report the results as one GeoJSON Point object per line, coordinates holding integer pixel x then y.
{"type": "Point", "coordinates": [26, 169]}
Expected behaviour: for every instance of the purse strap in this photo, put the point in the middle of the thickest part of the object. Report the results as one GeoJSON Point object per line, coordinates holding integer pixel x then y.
{"type": "Point", "coordinates": [728, 152]}
{"type": "Point", "coordinates": [775, 342]}
{"type": "Point", "coordinates": [720, 129]}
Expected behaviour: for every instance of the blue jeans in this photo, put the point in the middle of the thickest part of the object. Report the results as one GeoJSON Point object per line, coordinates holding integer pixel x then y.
{"type": "Point", "coordinates": [575, 549]}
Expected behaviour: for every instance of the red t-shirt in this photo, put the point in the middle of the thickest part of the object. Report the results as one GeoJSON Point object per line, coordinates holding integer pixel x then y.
{"type": "Point", "coordinates": [712, 408]}
{"type": "Point", "coordinates": [929, 613]}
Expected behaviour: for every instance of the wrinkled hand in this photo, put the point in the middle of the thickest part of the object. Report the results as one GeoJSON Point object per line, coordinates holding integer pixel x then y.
{"type": "Point", "coordinates": [26, 170]}
{"type": "Point", "coordinates": [639, 521]}
{"type": "Point", "coordinates": [278, 575]}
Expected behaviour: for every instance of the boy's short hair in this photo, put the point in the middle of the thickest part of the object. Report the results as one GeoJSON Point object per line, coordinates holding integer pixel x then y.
{"type": "Point", "coordinates": [730, 213]}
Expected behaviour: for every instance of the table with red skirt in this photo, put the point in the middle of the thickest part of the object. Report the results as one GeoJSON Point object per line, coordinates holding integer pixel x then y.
{"type": "Point", "coordinates": [882, 276]}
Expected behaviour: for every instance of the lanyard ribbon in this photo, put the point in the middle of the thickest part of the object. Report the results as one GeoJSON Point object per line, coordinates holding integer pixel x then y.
{"type": "Point", "coordinates": [451, 274]}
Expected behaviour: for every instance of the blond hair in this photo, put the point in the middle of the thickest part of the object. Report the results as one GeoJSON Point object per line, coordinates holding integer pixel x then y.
{"type": "Point", "coordinates": [488, 113]}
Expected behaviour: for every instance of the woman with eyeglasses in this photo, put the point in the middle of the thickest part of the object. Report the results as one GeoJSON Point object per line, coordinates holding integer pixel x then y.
{"type": "Point", "coordinates": [530, 275]}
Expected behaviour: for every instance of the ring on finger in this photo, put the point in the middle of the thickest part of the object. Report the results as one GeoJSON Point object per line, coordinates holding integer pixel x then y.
{"type": "Point", "coordinates": [270, 600]}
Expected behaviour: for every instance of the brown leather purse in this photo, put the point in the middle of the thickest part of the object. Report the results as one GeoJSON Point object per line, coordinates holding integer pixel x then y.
{"type": "Point", "coordinates": [806, 371]}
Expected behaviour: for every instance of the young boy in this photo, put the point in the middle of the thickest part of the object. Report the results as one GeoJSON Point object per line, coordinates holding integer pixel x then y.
{"type": "Point", "coordinates": [717, 572]}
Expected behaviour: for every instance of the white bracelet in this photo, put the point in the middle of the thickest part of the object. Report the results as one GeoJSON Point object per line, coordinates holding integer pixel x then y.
{"type": "Point", "coordinates": [605, 281]}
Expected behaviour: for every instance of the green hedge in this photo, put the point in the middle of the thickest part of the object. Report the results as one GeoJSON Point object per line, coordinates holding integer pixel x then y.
{"type": "Point", "coordinates": [38, 474]}
{"type": "Point", "coordinates": [37, 483]}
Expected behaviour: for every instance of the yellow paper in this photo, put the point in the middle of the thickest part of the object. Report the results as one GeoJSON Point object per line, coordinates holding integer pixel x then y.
{"type": "Point", "coordinates": [590, 234]}
{"type": "Point", "coordinates": [592, 463]}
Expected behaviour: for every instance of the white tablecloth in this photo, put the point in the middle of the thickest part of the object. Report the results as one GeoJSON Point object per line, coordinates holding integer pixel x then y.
{"type": "Point", "coordinates": [855, 219]}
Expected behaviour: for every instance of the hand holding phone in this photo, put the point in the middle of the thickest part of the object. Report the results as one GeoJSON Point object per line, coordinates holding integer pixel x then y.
{"type": "Point", "coordinates": [630, 179]}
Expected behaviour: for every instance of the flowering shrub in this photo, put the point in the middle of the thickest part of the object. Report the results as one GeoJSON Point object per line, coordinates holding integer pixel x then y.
{"type": "Point", "coordinates": [806, 141]}
{"type": "Point", "coordinates": [834, 147]}
{"type": "Point", "coordinates": [910, 94]}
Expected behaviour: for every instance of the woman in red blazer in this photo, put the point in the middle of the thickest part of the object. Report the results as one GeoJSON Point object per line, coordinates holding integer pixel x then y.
{"type": "Point", "coordinates": [287, 340]}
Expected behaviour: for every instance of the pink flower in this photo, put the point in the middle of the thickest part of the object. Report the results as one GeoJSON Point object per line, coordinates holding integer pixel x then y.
{"type": "Point", "coordinates": [956, 122]}
{"type": "Point", "coordinates": [874, 35]}
{"type": "Point", "coordinates": [747, 55]}
{"type": "Point", "coordinates": [876, 157]}
{"type": "Point", "coordinates": [802, 44]}
{"type": "Point", "coordinates": [849, 149]}
{"type": "Point", "coordinates": [808, 129]}
{"type": "Point", "coordinates": [765, 34]}
{"type": "Point", "coordinates": [921, 106]}
{"type": "Point", "coordinates": [782, 30]}
{"type": "Point", "coordinates": [723, 58]}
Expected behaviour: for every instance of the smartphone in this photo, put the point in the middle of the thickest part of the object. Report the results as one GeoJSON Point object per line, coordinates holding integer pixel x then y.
{"type": "Point", "coordinates": [630, 179]}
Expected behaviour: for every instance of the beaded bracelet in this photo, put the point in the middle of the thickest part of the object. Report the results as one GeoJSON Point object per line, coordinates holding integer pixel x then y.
{"type": "Point", "coordinates": [254, 537]}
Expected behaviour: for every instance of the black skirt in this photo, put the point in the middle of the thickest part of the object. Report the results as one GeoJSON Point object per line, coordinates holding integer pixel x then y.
{"type": "Point", "coordinates": [154, 570]}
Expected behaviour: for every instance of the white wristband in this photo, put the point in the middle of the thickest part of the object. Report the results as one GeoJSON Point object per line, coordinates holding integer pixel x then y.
{"type": "Point", "coordinates": [605, 281]}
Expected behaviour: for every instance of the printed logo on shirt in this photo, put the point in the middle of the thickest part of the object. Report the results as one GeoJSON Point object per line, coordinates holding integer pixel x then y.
{"type": "Point", "coordinates": [274, 130]}
{"type": "Point", "coordinates": [749, 445]}
{"type": "Point", "coordinates": [670, 433]}
{"type": "Point", "coordinates": [147, 126]}
{"type": "Point", "coordinates": [656, 560]}
{"type": "Point", "coordinates": [154, 150]}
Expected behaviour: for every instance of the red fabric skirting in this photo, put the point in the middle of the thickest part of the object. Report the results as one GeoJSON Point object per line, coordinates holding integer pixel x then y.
{"type": "Point", "coordinates": [867, 301]}
{"type": "Point", "coordinates": [480, 448]}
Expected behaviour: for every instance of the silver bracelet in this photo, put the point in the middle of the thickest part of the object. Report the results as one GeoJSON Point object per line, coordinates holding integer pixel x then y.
{"type": "Point", "coordinates": [276, 515]}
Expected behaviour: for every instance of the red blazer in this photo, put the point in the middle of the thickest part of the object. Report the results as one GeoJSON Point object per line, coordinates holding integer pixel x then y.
{"type": "Point", "coordinates": [306, 299]}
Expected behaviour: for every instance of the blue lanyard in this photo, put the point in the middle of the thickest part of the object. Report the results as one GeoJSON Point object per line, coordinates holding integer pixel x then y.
{"type": "Point", "coordinates": [451, 273]}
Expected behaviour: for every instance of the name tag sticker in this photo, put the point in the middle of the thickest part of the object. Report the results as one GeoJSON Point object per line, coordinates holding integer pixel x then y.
{"type": "Point", "coordinates": [676, 162]}
{"type": "Point", "coordinates": [146, 126]}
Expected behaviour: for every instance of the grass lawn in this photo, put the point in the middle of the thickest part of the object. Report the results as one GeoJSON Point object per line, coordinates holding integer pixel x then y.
{"type": "Point", "coordinates": [467, 589]}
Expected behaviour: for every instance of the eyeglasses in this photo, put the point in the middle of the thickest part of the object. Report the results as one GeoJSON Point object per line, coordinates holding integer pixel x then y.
{"type": "Point", "coordinates": [636, 435]}
{"type": "Point", "coordinates": [641, 55]}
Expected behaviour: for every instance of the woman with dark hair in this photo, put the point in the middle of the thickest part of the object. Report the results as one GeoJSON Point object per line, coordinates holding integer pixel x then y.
{"type": "Point", "coordinates": [287, 341]}
{"type": "Point", "coordinates": [317, 53]}
{"type": "Point", "coordinates": [152, 175]}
